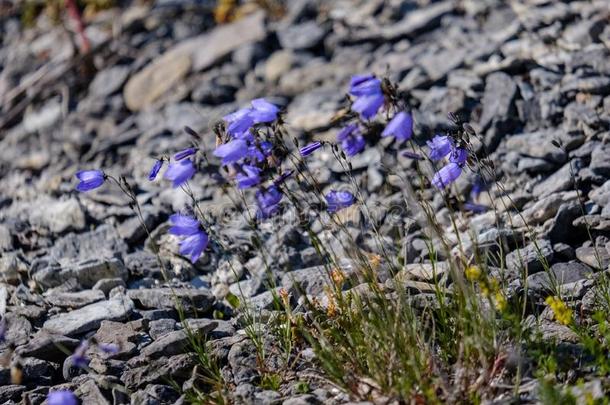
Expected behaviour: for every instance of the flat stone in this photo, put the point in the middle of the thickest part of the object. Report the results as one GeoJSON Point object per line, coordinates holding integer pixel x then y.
{"type": "Point", "coordinates": [301, 36]}
{"type": "Point", "coordinates": [191, 300]}
{"type": "Point", "coordinates": [193, 54]}
{"type": "Point", "coordinates": [47, 346]}
{"type": "Point", "coordinates": [590, 255]}
{"type": "Point", "coordinates": [87, 272]}
{"type": "Point", "coordinates": [529, 258]}
{"type": "Point", "coordinates": [176, 368]}
{"type": "Point", "coordinates": [559, 275]}
{"type": "Point", "coordinates": [425, 271]}
{"type": "Point", "coordinates": [58, 215]}
{"type": "Point", "coordinates": [75, 299]}
{"type": "Point", "coordinates": [177, 342]}
{"type": "Point", "coordinates": [109, 80]}
{"type": "Point", "coordinates": [89, 317]}
{"type": "Point", "coordinates": [561, 180]}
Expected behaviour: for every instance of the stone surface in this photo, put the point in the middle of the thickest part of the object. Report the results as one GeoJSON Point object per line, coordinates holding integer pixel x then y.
{"type": "Point", "coordinates": [89, 317]}
{"type": "Point", "coordinates": [198, 53]}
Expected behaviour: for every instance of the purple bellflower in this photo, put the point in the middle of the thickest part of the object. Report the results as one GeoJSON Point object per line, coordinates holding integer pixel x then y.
{"type": "Point", "coordinates": [400, 127]}
{"type": "Point", "coordinates": [79, 357]}
{"type": "Point", "coordinates": [194, 241]}
{"type": "Point", "coordinates": [446, 175]}
{"type": "Point", "coordinates": [154, 171]}
{"type": "Point", "coordinates": [474, 207]}
{"type": "Point", "coordinates": [368, 93]}
{"type": "Point", "coordinates": [180, 172]}
{"type": "Point", "coordinates": [249, 177]}
{"type": "Point", "coordinates": [411, 155]}
{"type": "Point", "coordinates": [260, 152]}
{"type": "Point", "coordinates": [239, 121]}
{"type": "Point", "coordinates": [108, 348]}
{"type": "Point", "coordinates": [351, 140]}
{"type": "Point", "coordinates": [268, 201]}
{"type": "Point", "coordinates": [263, 111]}
{"type": "Point", "coordinates": [309, 149]}
{"type": "Point", "coordinates": [458, 155]}
{"type": "Point", "coordinates": [61, 397]}
{"type": "Point", "coordinates": [185, 153]}
{"type": "Point", "coordinates": [232, 151]}
{"type": "Point", "coordinates": [440, 146]}
{"type": "Point", "coordinates": [337, 200]}
{"type": "Point", "coordinates": [282, 177]}
{"type": "Point", "coordinates": [90, 179]}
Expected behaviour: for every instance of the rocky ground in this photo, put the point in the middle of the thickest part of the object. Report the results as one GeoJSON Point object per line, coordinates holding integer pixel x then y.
{"type": "Point", "coordinates": [526, 74]}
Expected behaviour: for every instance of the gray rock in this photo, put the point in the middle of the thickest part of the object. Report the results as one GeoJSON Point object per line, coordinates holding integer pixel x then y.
{"type": "Point", "coordinates": [47, 346]}
{"type": "Point", "coordinates": [242, 359]}
{"type": "Point", "coordinates": [177, 368]}
{"type": "Point", "coordinates": [177, 342]}
{"type": "Point", "coordinates": [161, 327]}
{"type": "Point", "coordinates": [11, 265]}
{"type": "Point", "coordinates": [190, 300]}
{"type": "Point", "coordinates": [18, 331]}
{"type": "Point", "coordinates": [594, 256]}
{"type": "Point", "coordinates": [89, 317]}
{"type": "Point", "coordinates": [551, 282]}
{"type": "Point", "coordinates": [600, 160]}
{"type": "Point", "coordinates": [105, 285]}
{"type": "Point", "coordinates": [11, 392]}
{"type": "Point", "coordinates": [301, 36]}
{"type": "Point", "coordinates": [530, 258]}
{"type": "Point", "coordinates": [87, 273]}
{"type": "Point", "coordinates": [195, 54]}
{"type": "Point", "coordinates": [75, 299]}
{"type": "Point", "coordinates": [45, 117]}
{"type": "Point", "coordinates": [561, 180]}
{"type": "Point", "coordinates": [109, 80]}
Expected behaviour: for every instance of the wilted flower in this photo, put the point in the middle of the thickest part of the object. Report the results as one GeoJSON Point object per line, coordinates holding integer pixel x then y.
{"type": "Point", "coordinates": [250, 176]}
{"type": "Point", "coordinates": [268, 201]}
{"type": "Point", "coordinates": [90, 179]}
{"type": "Point", "coordinates": [232, 151]}
{"type": "Point", "coordinates": [195, 239]}
{"type": "Point", "coordinates": [400, 127]}
{"type": "Point", "coordinates": [368, 93]}
{"type": "Point", "coordinates": [185, 153]}
{"type": "Point", "coordinates": [180, 172]}
{"type": "Point", "coordinates": [351, 140]}
{"type": "Point", "coordinates": [61, 397]}
{"type": "Point", "coordinates": [309, 149]}
{"type": "Point", "coordinates": [155, 169]}
{"type": "Point", "coordinates": [446, 175]}
{"type": "Point", "coordinates": [440, 146]}
{"type": "Point", "coordinates": [338, 200]}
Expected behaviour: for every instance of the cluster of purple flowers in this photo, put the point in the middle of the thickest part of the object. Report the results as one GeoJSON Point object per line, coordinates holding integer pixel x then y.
{"type": "Point", "coordinates": [246, 152]}
{"type": "Point", "coordinates": [368, 100]}
{"type": "Point", "coordinates": [441, 147]}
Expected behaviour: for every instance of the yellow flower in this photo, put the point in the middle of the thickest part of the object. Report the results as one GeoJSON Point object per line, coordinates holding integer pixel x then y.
{"type": "Point", "coordinates": [562, 313]}
{"type": "Point", "coordinates": [500, 301]}
{"type": "Point", "coordinates": [472, 273]}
